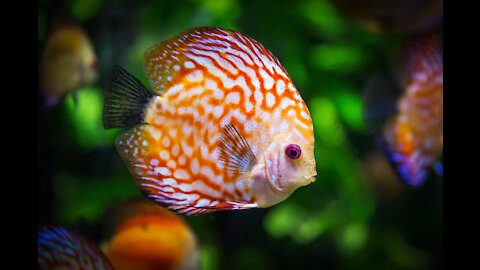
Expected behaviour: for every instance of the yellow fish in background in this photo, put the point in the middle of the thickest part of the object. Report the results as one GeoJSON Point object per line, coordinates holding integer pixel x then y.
{"type": "Point", "coordinates": [68, 61]}
{"type": "Point", "coordinates": [226, 128]}
{"type": "Point", "coordinates": [140, 235]}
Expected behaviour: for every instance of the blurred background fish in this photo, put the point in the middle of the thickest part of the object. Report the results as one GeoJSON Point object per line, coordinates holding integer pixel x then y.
{"type": "Point", "coordinates": [68, 60]}
{"type": "Point", "coordinates": [394, 16]}
{"type": "Point", "coordinates": [61, 248]}
{"type": "Point", "coordinates": [413, 137]}
{"type": "Point", "coordinates": [140, 235]}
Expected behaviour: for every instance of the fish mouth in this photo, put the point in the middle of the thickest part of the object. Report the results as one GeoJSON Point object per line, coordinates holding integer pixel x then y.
{"type": "Point", "coordinates": [313, 176]}
{"type": "Point", "coordinates": [272, 171]}
{"type": "Point", "coordinates": [311, 179]}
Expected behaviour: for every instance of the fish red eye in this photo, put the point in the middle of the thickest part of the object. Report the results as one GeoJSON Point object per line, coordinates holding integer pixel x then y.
{"type": "Point", "coordinates": [293, 151]}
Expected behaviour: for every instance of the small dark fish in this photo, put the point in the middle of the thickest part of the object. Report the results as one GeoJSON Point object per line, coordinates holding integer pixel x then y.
{"type": "Point", "coordinates": [59, 248]}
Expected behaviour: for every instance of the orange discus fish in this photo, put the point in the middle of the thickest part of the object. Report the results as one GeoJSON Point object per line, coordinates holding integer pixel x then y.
{"type": "Point", "coordinates": [413, 137]}
{"type": "Point", "coordinates": [141, 235]}
{"type": "Point", "coordinates": [226, 128]}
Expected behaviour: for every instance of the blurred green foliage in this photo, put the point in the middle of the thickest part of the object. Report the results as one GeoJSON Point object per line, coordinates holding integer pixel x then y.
{"type": "Point", "coordinates": [323, 16]}
{"type": "Point", "coordinates": [85, 9]}
{"type": "Point", "coordinates": [338, 222]}
{"type": "Point", "coordinates": [209, 257]}
{"type": "Point", "coordinates": [86, 118]}
{"type": "Point", "coordinates": [89, 197]}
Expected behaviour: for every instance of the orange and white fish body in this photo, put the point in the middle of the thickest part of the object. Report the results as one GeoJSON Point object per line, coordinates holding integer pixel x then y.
{"type": "Point", "coordinates": [226, 130]}
{"type": "Point", "coordinates": [413, 139]}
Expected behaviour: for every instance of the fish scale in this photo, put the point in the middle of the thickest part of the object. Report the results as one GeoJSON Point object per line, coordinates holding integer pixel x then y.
{"type": "Point", "coordinates": [206, 79]}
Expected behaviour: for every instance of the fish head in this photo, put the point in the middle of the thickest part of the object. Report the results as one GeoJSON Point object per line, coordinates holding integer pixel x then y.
{"type": "Point", "coordinates": [286, 165]}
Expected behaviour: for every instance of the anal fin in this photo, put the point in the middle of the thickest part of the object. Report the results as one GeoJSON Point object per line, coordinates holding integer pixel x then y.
{"type": "Point", "coordinates": [190, 210]}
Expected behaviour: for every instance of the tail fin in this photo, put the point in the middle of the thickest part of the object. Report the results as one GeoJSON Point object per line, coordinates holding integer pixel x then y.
{"type": "Point", "coordinates": [125, 100]}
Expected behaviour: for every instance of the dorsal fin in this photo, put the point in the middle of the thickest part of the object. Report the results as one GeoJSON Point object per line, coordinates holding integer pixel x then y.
{"type": "Point", "coordinates": [164, 60]}
{"type": "Point", "coordinates": [406, 58]}
{"type": "Point", "coordinates": [205, 48]}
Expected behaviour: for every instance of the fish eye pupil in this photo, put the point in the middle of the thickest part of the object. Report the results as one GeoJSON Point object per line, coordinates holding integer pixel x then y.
{"type": "Point", "coordinates": [293, 151]}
